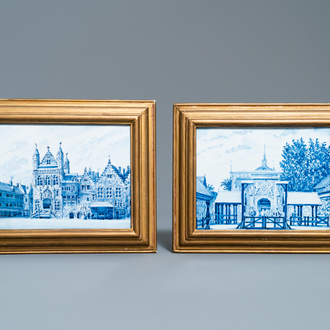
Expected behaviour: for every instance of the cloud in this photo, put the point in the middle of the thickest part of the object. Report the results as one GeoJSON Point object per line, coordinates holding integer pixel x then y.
{"type": "Point", "coordinates": [242, 131]}
{"type": "Point", "coordinates": [238, 148]}
{"type": "Point", "coordinates": [210, 148]}
{"type": "Point", "coordinates": [216, 138]}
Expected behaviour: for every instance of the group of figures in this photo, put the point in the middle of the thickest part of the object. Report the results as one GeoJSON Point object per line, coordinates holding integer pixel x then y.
{"type": "Point", "coordinates": [57, 193]}
{"type": "Point", "coordinates": [259, 199]}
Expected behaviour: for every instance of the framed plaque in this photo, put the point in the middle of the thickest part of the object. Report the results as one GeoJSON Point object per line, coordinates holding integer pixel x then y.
{"type": "Point", "coordinates": [77, 176]}
{"type": "Point", "coordinates": [251, 178]}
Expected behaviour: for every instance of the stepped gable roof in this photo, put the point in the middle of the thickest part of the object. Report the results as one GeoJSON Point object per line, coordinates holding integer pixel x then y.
{"type": "Point", "coordinates": [48, 161]}
{"type": "Point", "coordinates": [323, 185]}
{"type": "Point", "coordinates": [112, 168]}
{"type": "Point", "coordinates": [303, 198]}
{"type": "Point", "coordinates": [229, 197]}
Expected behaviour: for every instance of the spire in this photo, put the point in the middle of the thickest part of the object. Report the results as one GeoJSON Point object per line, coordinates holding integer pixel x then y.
{"type": "Point", "coordinates": [36, 152]}
{"type": "Point", "coordinates": [66, 164]}
{"type": "Point", "coordinates": [36, 158]}
{"type": "Point", "coordinates": [264, 161]}
{"type": "Point", "coordinates": [59, 156]}
{"type": "Point", "coordinates": [264, 166]}
{"type": "Point", "coordinates": [109, 161]}
{"type": "Point", "coordinates": [60, 152]}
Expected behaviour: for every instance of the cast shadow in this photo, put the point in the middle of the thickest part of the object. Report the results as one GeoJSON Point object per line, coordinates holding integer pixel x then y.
{"type": "Point", "coordinates": [164, 239]}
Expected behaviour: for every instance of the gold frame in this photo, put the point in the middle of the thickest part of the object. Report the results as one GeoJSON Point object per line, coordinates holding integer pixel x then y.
{"type": "Point", "coordinates": [187, 117]}
{"type": "Point", "coordinates": [140, 115]}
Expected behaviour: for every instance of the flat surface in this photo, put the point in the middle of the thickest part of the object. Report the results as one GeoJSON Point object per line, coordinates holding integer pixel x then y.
{"type": "Point", "coordinates": [170, 51]}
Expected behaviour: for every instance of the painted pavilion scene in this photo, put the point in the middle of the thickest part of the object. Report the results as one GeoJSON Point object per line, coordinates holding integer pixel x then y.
{"type": "Point", "coordinates": [266, 198]}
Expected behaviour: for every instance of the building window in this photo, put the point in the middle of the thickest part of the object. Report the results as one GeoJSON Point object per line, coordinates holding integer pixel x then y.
{"type": "Point", "coordinates": [109, 176]}
{"type": "Point", "coordinates": [83, 187]}
{"type": "Point", "coordinates": [47, 180]}
{"type": "Point", "coordinates": [57, 205]}
{"type": "Point", "coordinates": [118, 192]}
{"type": "Point", "coordinates": [100, 192]}
{"type": "Point", "coordinates": [55, 179]}
{"type": "Point", "coordinates": [109, 192]}
{"type": "Point", "coordinates": [88, 187]}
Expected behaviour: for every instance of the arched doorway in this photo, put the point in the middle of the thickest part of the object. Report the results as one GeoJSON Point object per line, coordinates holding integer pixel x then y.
{"type": "Point", "coordinates": [264, 206]}
{"type": "Point", "coordinates": [71, 215]}
{"type": "Point", "coordinates": [47, 203]}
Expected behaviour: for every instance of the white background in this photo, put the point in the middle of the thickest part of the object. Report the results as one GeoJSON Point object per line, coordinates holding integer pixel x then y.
{"type": "Point", "coordinates": [170, 51]}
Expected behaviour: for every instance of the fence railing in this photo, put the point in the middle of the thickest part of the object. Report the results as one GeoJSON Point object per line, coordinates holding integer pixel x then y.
{"type": "Point", "coordinates": [309, 221]}
{"type": "Point", "coordinates": [225, 219]}
{"type": "Point", "coordinates": [263, 223]}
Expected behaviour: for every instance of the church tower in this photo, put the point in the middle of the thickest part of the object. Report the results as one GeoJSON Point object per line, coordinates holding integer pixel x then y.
{"type": "Point", "coordinates": [66, 164]}
{"type": "Point", "coordinates": [60, 158]}
{"type": "Point", "coordinates": [36, 159]}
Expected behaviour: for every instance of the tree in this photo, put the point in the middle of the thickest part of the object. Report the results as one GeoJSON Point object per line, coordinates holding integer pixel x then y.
{"type": "Point", "coordinates": [210, 187]}
{"type": "Point", "coordinates": [226, 184]}
{"type": "Point", "coordinates": [305, 166]}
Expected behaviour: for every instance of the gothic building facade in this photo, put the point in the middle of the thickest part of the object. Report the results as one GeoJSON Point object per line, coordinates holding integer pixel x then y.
{"type": "Point", "coordinates": [57, 193]}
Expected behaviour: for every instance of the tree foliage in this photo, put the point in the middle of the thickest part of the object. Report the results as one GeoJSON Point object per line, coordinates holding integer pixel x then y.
{"type": "Point", "coordinates": [304, 166]}
{"type": "Point", "coordinates": [226, 184]}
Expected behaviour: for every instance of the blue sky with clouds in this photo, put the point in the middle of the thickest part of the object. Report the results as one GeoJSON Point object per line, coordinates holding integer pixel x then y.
{"type": "Point", "coordinates": [218, 148]}
{"type": "Point", "coordinates": [87, 146]}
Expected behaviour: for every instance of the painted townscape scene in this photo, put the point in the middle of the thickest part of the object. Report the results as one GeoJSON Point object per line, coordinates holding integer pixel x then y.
{"type": "Point", "coordinates": [65, 177]}
{"type": "Point", "coordinates": [263, 179]}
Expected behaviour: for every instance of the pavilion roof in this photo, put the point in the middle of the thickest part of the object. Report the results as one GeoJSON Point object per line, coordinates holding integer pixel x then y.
{"type": "Point", "coordinates": [303, 198]}
{"type": "Point", "coordinates": [229, 197]}
{"type": "Point", "coordinates": [101, 204]}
